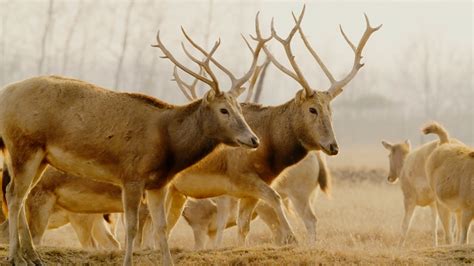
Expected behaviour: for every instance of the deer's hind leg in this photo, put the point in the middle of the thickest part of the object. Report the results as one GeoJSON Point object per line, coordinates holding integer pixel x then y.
{"type": "Point", "coordinates": [254, 187]}
{"type": "Point", "coordinates": [25, 166]}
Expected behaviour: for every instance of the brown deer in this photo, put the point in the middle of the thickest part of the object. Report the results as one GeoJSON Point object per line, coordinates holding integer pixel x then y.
{"type": "Point", "coordinates": [450, 172]}
{"type": "Point", "coordinates": [131, 140]}
{"type": "Point", "coordinates": [287, 133]}
{"type": "Point", "coordinates": [296, 184]}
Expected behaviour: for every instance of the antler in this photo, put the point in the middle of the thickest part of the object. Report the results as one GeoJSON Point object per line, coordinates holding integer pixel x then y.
{"type": "Point", "coordinates": [297, 74]}
{"type": "Point", "coordinates": [213, 83]}
{"type": "Point", "coordinates": [256, 75]}
{"type": "Point", "coordinates": [189, 90]}
{"type": "Point", "coordinates": [236, 83]}
{"type": "Point", "coordinates": [337, 85]}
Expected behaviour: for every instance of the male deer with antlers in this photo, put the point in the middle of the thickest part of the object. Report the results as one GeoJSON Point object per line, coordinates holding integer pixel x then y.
{"type": "Point", "coordinates": [297, 184]}
{"type": "Point", "coordinates": [128, 139]}
{"type": "Point", "coordinates": [287, 133]}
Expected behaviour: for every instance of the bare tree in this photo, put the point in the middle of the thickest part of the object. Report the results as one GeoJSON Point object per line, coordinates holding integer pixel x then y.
{"type": "Point", "coordinates": [49, 22]}
{"type": "Point", "coordinates": [124, 44]}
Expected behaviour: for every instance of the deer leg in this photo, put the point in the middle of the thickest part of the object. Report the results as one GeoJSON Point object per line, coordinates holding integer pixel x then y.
{"type": "Point", "coordinates": [467, 216]}
{"type": "Point", "coordinates": [102, 233]}
{"type": "Point", "coordinates": [25, 173]}
{"type": "Point", "coordinates": [270, 218]}
{"type": "Point", "coordinates": [302, 206]}
{"type": "Point", "coordinates": [131, 198]}
{"type": "Point", "coordinates": [246, 207]}
{"type": "Point", "coordinates": [82, 225]}
{"type": "Point", "coordinates": [156, 204]}
{"type": "Point", "coordinates": [409, 210]}
{"type": "Point", "coordinates": [38, 211]}
{"type": "Point", "coordinates": [175, 202]}
{"type": "Point", "coordinates": [445, 217]}
{"type": "Point", "coordinates": [223, 211]}
{"type": "Point", "coordinates": [200, 235]}
{"type": "Point", "coordinates": [143, 215]}
{"type": "Point", "coordinates": [272, 198]}
{"type": "Point", "coordinates": [434, 223]}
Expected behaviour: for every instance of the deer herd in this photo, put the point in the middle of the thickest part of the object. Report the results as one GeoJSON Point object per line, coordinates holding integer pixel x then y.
{"type": "Point", "coordinates": [77, 153]}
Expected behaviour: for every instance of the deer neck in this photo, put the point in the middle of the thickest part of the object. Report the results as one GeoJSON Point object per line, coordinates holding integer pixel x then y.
{"type": "Point", "coordinates": [188, 144]}
{"type": "Point", "coordinates": [279, 142]}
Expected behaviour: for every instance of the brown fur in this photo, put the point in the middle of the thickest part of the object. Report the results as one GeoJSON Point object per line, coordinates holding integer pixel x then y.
{"type": "Point", "coordinates": [126, 139]}
{"type": "Point", "coordinates": [324, 175]}
{"type": "Point", "coordinates": [287, 132]}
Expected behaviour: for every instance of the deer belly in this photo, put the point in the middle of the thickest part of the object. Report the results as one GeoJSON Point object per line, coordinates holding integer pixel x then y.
{"type": "Point", "coordinates": [87, 200]}
{"type": "Point", "coordinates": [82, 167]}
{"type": "Point", "coordinates": [202, 185]}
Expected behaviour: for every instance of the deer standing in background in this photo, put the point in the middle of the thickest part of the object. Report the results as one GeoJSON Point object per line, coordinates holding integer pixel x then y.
{"type": "Point", "coordinates": [131, 140]}
{"type": "Point", "coordinates": [450, 172]}
{"type": "Point", "coordinates": [287, 133]}
{"type": "Point", "coordinates": [408, 166]}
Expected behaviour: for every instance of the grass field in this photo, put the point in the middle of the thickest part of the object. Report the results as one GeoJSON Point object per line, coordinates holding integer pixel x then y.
{"type": "Point", "coordinates": [358, 224]}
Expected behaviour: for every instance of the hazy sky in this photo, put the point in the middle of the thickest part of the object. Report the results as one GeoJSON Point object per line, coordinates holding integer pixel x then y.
{"type": "Point", "coordinates": [439, 33]}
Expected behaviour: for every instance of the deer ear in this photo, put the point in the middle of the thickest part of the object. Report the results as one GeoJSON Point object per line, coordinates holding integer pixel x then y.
{"type": "Point", "coordinates": [387, 145]}
{"type": "Point", "coordinates": [300, 96]}
{"type": "Point", "coordinates": [209, 96]}
{"type": "Point", "coordinates": [407, 143]}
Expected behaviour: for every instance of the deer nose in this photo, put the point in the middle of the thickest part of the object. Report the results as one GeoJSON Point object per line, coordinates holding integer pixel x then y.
{"type": "Point", "coordinates": [255, 142]}
{"type": "Point", "coordinates": [333, 149]}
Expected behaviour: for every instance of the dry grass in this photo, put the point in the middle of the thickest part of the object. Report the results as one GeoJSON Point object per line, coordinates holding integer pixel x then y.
{"type": "Point", "coordinates": [358, 225]}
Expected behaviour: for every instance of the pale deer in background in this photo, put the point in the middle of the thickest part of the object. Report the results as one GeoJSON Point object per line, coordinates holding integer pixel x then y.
{"type": "Point", "coordinates": [450, 172]}
{"type": "Point", "coordinates": [131, 140]}
{"type": "Point", "coordinates": [287, 133]}
{"type": "Point", "coordinates": [408, 166]}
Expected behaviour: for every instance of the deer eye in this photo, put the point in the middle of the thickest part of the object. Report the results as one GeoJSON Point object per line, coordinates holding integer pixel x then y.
{"type": "Point", "coordinates": [224, 111]}
{"type": "Point", "coordinates": [313, 111]}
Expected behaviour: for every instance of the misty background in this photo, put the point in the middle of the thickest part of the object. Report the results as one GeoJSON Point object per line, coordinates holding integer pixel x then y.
{"type": "Point", "coordinates": [418, 66]}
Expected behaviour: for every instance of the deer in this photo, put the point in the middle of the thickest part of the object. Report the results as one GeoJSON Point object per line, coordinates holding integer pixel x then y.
{"type": "Point", "coordinates": [287, 133]}
{"type": "Point", "coordinates": [296, 184]}
{"type": "Point", "coordinates": [131, 140]}
{"type": "Point", "coordinates": [408, 166]}
{"type": "Point", "coordinates": [60, 198]}
{"type": "Point", "coordinates": [450, 172]}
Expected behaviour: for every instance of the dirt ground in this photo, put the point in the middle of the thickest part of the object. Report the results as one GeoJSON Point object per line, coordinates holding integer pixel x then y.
{"type": "Point", "coordinates": [358, 224]}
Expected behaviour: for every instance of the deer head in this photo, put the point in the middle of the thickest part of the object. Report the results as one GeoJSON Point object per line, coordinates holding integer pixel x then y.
{"type": "Point", "coordinates": [313, 118]}
{"type": "Point", "coordinates": [398, 153]}
{"type": "Point", "coordinates": [224, 120]}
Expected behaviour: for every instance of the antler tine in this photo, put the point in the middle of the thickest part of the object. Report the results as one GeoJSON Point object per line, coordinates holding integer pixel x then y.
{"type": "Point", "coordinates": [297, 75]}
{"type": "Point", "coordinates": [189, 90]}
{"type": "Point", "coordinates": [261, 41]}
{"type": "Point", "coordinates": [182, 85]}
{"type": "Point", "coordinates": [255, 77]}
{"type": "Point", "coordinates": [168, 55]}
{"type": "Point", "coordinates": [204, 64]}
{"type": "Point", "coordinates": [212, 59]}
{"type": "Point", "coordinates": [313, 52]}
{"type": "Point", "coordinates": [337, 86]}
